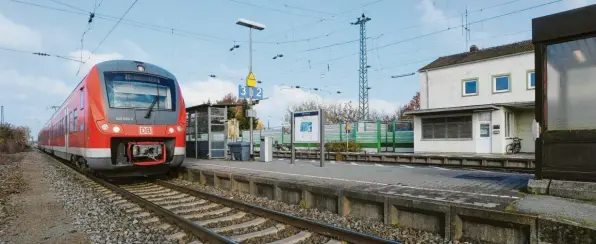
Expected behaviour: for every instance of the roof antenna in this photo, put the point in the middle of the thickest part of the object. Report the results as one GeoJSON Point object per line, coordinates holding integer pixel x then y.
{"type": "Point", "coordinates": [466, 27]}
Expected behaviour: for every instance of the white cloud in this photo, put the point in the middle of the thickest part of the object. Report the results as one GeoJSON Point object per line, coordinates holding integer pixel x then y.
{"type": "Point", "coordinates": [230, 72]}
{"type": "Point", "coordinates": [282, 98]}
{"type": "Point", "coordinates": [13, 81]}
{"type": "Point", "coordinates": [435, 18]}
{"type": "Point", "coordinates": [279, 98]}
{"type": "Point", "coordinates": [135, 52]}
{"type": "Point", "coordinates": [130, 50]}
{"type": "Point", "coordinates": [95, 59]}
{"type": "Point", "coordinates": [15, 35]}
{"type": "Point", "coordinates": [20, 97]}
{"type": "Point", "coordinates": [431, 14]}
{"type": "Point", "coordinates": [27, 98]}
{"type": "Point", "coordinates": [199, 92]}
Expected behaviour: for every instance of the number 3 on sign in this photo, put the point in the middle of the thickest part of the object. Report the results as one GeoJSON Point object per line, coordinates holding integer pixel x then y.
{"type": "Point", "coordinates": [242, 93]}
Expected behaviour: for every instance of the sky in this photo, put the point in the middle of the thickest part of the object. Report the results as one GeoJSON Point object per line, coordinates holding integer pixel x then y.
{"type": "Point", "coordinates": [192, 39]}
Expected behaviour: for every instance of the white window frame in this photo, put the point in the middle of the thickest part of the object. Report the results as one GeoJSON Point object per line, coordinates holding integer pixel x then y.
{"type": "Point", "coordinates": [463, 87]}
{"type": "Point", "coordinates": [509, 125]}
{"type": "Point", "coordinates": [494, 81]}
{"type": "Point", "coordinates": [529, 80]}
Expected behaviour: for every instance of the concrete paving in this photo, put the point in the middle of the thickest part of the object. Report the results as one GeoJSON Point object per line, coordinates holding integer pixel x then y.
{"type": "Point", "coordinates": [480, 155]}
{"type": "Point", "coordinates": [493, 190]}
{"type": "Point", "coordinates": [579, 212]}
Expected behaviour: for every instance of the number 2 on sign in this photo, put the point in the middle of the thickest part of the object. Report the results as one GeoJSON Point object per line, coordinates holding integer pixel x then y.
{"type": "Point", "coordinates": [259, 92]}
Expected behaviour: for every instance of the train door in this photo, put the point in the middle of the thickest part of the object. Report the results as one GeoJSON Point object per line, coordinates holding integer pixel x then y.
{"type": "Point", "coordinates": [67, 131]}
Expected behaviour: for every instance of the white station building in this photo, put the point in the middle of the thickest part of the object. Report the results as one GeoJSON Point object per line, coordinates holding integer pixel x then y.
{"type": "Point", "coordinates": [477, 101]}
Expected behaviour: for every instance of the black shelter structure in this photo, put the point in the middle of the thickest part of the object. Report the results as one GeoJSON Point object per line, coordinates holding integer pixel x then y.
{"type": "Point", "coordinates": [206, 131]}
{"type": "Point", "coordinates": [565, 63]}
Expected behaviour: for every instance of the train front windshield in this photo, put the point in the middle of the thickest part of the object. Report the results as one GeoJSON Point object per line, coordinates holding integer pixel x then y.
{"type": "Point", "coordinates": [139, 91]}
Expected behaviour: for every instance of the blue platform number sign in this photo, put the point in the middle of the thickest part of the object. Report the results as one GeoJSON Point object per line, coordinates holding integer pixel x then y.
{"type": "Point", "coordinates": [257, 93]}
{"type": "Point", "coordinates": [243, 92]}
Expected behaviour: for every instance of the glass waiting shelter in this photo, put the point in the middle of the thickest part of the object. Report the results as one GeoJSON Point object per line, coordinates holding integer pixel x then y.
{"type": "Point", "coordinates": [206, 131]}
{"type": "Point", "coordinates": [565, 63]}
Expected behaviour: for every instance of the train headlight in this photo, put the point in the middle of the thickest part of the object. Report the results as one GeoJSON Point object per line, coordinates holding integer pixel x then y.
{"type": "Point", "coordinates": [105, 127]}
{"type": "Point", "coordinates": [179, 128]}
{"type": "Point", "coordinates": [116, 129]}
{"type": "Point", "coordinates": [171, 130]}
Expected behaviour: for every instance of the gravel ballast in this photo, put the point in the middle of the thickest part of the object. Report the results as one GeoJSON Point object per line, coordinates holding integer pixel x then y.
{"type": "Point", "coordinates": [94, 214]}
{"type": "Point", "coordinates": [367, 226]}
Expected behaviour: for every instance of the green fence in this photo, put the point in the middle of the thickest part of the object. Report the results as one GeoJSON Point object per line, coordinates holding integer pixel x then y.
{"type": "Point", "coordinates": [373, 136]}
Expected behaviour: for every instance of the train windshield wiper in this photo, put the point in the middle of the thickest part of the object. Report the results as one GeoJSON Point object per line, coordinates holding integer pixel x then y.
{"type": "Point", "coordinates": [151, 107]}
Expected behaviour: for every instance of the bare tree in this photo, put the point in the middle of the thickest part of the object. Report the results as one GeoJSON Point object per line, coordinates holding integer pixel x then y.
{"type": "Point", "coordinates": [335, 113]}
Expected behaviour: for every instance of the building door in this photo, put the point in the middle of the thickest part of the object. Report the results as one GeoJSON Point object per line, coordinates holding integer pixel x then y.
{"type": "Point", "coordinates": [483, 135]}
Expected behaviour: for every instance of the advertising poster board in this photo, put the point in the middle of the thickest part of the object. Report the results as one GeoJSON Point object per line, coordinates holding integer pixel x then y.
{"type": "Point", "coordinates": [307, 127]}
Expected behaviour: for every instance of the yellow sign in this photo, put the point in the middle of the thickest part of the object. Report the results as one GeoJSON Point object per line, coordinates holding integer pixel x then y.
{"type": "Point", "coordinates": [348, 127]}
{"type": "Point", "coordinates": [251, 81]}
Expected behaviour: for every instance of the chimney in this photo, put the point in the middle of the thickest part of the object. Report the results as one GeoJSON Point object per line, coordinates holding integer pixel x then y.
{"type": "Point", "coordinates": [473, 48]}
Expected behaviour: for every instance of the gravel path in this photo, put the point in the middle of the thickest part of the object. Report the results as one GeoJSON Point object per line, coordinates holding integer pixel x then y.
{"type": "Point", "coordinates": [362, 225]}
{"type": "Point", "coordinates": [38, 214]}
{"type": "Point", "coordinates": [93, 216]}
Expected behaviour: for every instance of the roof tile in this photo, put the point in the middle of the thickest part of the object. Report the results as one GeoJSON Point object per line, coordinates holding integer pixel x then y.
{"type": "Point", "coordinates": [487, 53]}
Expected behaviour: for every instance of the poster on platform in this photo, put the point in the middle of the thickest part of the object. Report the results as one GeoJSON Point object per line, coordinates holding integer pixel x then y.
{"type": "Point", "coordinates": [307, 127]}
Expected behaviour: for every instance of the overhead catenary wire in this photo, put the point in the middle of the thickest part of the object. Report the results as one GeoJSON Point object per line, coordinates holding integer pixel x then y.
{"type": "Point", "coordinates": [272, 9]}
{"type": "Point", "coordinates": [373, 2]}
{"type": "Point", "coordinates": [432, 33]}
{"type": "Point", "coordinates": [171, 30]}
{"type": "Point", "coordinates": [457, 15]}
{"type": "Point", "coordinates": [407, 63]}
{"type": "Point", "coordinates": [138, 24]}
{"type": "Point", "coordinates": [42, 54]}
{"type": "Point", "coordinates": [107, 35]}
{"type": "Point", "coordinates": [327, 18]}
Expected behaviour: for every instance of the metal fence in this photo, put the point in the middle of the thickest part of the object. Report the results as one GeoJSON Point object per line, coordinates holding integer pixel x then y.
{"type": "Point", "coordinates": [373, 136]}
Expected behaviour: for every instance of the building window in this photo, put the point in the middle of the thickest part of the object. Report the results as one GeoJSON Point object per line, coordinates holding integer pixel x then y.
{"type": "Point", "coordinates": [530, 80]}
{"type": "Point", "coordinates": [470, 87]}
{"type": "Point", "coordinates": [459, 127]}
{"type": "Point", "coordinates": [501, 83]}
{"type": "Point", "coordinates": [509, 124]}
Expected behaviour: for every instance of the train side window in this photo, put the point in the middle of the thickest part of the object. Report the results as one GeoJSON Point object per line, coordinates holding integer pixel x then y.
{"type": "Point", "coordinates": [70, 122]}
{"type": "Point", "coordinates": [82, 98]}
{"type": "Point", "coordinates": [74, 121]}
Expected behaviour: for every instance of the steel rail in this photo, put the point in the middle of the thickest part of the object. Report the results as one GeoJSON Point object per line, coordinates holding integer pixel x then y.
{"type": "Point", "coordinates": [324, 229]}
{"type": "Point", "coordinates": [197, 230]}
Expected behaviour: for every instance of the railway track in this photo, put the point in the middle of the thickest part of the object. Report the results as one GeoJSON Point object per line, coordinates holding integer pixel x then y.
{"type": "Point", "coordinates": [215, 219]}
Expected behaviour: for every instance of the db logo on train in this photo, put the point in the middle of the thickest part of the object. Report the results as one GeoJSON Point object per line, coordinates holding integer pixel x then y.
{"type": "Point", "coordinates": [144, 130]}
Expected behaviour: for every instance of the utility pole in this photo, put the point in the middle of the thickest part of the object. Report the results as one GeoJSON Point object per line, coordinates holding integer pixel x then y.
{"type": "Point", "coordinates": [251, 25]}
{"type": "Point", "coordinates": [363, 70]}
{"type": "Point", "coordinates": [2, 115]}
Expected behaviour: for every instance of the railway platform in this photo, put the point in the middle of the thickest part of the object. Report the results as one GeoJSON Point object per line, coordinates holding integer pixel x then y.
{"type": "Point", "coordinates": [492, 190]}
{"type": "Point", "coordinates": [519, 162]}
{"type": "Point", "coordinates": [449, 201]}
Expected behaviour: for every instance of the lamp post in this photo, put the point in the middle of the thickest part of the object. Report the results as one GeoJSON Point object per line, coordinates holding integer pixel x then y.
{"type": "Point", "coordinates": [251, 25]}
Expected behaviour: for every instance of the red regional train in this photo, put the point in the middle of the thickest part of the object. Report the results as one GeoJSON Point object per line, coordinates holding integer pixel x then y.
{"type": "Point", "coordinates": [125, 118]}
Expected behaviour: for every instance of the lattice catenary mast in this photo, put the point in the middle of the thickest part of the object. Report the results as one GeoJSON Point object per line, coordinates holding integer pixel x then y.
{"type": "Point", "coordinates": [363, 70]}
